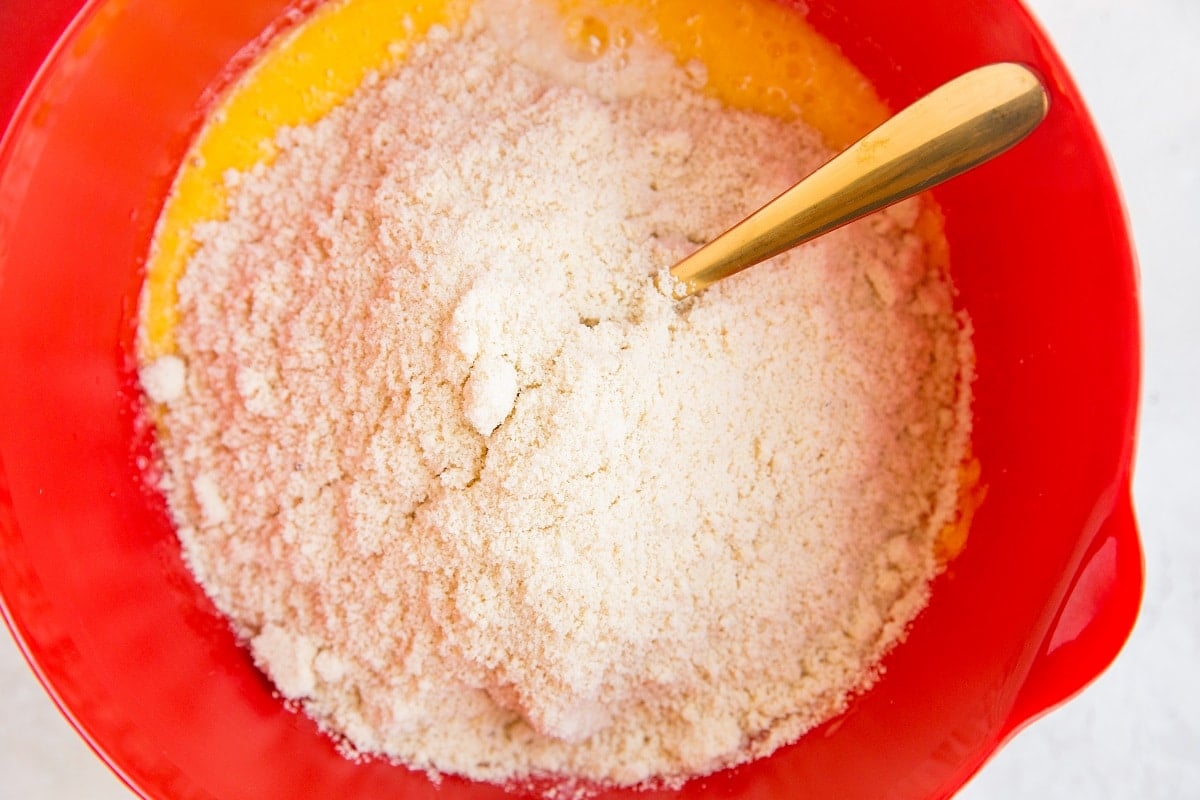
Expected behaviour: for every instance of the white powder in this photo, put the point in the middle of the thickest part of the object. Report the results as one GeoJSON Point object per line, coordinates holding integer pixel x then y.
{"type": "Point", "coordinates": [487, 502]}
{"type": "Point", "coordinates": [163, 379]}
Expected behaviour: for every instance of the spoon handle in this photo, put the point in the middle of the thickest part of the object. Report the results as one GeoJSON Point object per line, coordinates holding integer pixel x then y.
{"type": "Point", "coordinates": [957, 126]}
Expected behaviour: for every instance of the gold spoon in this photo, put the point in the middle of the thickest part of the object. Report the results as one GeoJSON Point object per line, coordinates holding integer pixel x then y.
{"type": "Point", "coordinates": [955, 127]}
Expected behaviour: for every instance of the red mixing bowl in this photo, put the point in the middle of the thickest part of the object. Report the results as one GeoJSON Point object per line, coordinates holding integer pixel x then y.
{"type": "Point", "coordinates": [91, 579]}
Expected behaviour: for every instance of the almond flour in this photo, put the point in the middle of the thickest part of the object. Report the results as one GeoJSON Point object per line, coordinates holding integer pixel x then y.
{"type": "Point", "coordinates": [479, 497]}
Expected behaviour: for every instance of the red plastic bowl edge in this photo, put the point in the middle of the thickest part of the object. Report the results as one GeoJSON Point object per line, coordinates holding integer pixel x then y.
{"type": "Point", "coordinates": [26, 58]}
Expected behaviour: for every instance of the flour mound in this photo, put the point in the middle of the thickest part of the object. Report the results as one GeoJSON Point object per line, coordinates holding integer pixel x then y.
{"type": "Point", "coordinates": [482, 498]}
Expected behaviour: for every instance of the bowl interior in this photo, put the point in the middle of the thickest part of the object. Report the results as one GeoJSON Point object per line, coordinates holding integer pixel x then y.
{"type": "Point", "coordinates": [91, 579]}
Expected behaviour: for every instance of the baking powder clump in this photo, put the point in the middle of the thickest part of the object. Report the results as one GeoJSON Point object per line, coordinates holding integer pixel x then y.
{"type": "Point", "coordinates": [482, 498]}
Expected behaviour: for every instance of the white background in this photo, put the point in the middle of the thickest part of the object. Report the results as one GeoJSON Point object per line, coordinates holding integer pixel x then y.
{"type": "Point", "coordinates": [1136, 732]}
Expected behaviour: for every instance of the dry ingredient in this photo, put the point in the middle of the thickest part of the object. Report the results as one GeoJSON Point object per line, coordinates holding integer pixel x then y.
{"type": "Point", "coordinates": [484, 500]}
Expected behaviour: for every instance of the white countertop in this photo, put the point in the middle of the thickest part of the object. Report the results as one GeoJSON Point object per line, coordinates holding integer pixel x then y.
{"type": "Point", "coordinates": [1136, 732]}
